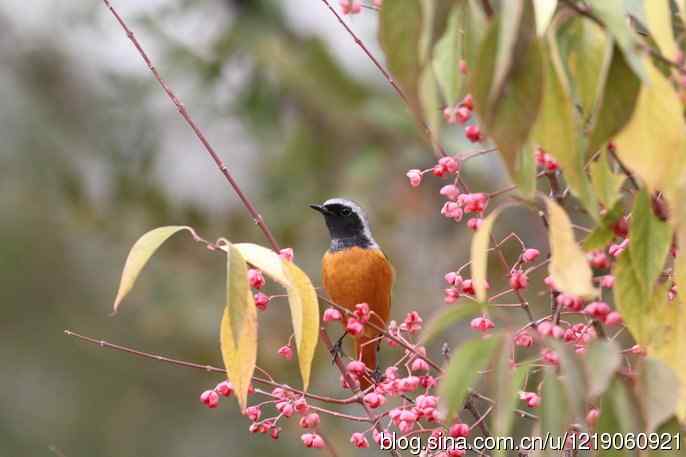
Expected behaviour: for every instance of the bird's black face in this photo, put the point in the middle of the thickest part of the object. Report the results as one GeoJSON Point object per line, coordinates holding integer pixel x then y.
{"type": "Point", "coordinates": [346, 225]}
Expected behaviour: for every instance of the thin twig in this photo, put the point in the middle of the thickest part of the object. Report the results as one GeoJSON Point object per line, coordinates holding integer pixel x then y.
{"type": "Point", "coordinates": [257, 217]}
{"type": "Point", "coordinates": [430, 136]}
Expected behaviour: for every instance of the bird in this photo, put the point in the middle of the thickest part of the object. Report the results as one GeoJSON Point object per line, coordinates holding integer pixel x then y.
{"type": "Point", "coordinates": [355, 270]}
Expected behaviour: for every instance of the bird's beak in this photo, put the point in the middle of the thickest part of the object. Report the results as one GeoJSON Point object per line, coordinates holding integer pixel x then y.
{"type": "Point", "coordinates": [321, 208]}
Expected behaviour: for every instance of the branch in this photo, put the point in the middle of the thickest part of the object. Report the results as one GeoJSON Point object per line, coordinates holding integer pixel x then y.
{"type": "Point", "coordinates": [207, 368]}
{"type": "Point", "coordinates": [430, 136]}
{"type": "Point", "coordinates": [257, 217]}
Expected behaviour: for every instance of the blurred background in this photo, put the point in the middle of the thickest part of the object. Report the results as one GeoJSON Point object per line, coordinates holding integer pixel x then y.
{"type": "Point", "coordinates": [93, 155]}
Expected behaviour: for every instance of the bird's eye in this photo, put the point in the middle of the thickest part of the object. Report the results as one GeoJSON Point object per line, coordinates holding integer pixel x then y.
{"type": "Point", "coordinates": [346, 212]}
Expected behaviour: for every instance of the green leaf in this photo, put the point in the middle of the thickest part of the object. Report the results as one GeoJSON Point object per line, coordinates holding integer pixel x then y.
{"type": "Point", "coordinates": [237, 290]}
{"type": "Point", "coordinates": [616, 102]}
{"type": "Point", "coordinates": [525, 172]}
{"type": "Point", "coordinates": [628, 296]}
{"type": "Point", "coordinates": [474, 26]}
{"type": "Point", "coordinates": [508, 120]}
{"type": "Point", "coordinates": [400, 32]}
{"type": "Point", "coordinates": [446, 318]}
{"type": "Point", "coordinates": [304, 305]}
{"type": "Point", "coordinates": [429, 98]}
{"type": "Point", "coordinates": [572, 378]}
{"type": "Point", "coordinates": [585, 50]}
{"type": "Point", "coordinates": [139, 255]}
{"type": "Point", "coordinates": [618, 414]}
{"type": "Point", "coordinates": [606, 184]}
{"type": "Point", "coordinates": [463, 371]}
{"type": "Point", "coordinates": [545, 10]}
{"type": "Point", "coordinates": [612, 13]}
{"type": "Point", "coordinates": [507, 382]}
{"type": "Point", "coordinates": [239, 351]}
{"type": "Point", "coordinates": [603, 359]}
{"type": "Point", "coordinates": [657, 388]}
{"type": "Point", "coordinates": [568, 265]}
{"type": "Point", "coordinates": [601, 236]}
{"type": "Point", "coordinates": [515, 33]}
{"type": "Point", "coordinates": [653, 144]}
{"type": "Point", "coordinates": [447, 54]}
{"type": "Point", "coordinates": [554, 417]}
{"type": "Point", "coordinates": [651, 239]}
{"type": "Point", "coordinates": [557, 131]}
{"type": "Point", "coordinates": [479, 254]}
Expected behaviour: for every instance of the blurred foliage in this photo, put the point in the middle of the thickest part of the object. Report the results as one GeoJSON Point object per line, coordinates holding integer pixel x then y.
{"type": "Point", "coordinates": [93, 155]}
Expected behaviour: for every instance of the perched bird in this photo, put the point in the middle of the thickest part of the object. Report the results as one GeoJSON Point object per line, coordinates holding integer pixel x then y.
{"type": "Point", "coordinates": [354, 270]}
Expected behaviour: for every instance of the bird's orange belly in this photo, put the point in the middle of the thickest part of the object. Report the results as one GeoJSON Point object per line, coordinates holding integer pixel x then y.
{"type": "Point", "coordinates": [358, 275]}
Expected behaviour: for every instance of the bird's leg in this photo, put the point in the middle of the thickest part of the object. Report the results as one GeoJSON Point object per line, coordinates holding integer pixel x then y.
{"type": "Point", "coordinates": [337, 348]}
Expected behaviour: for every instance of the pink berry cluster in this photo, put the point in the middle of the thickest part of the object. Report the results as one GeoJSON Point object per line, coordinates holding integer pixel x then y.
{"type": "Point", "coordinates": [257, 281]}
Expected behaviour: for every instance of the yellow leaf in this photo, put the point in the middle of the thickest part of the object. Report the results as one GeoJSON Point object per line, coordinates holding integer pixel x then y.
{"type": "Point", "coordinates": [304, 305]}
{"type": "Point", "coordinates": [139, 255]}
{"type": "Point", "coordinates": [568, 265]}
{"type": "Point", "coordinates": [265, 259]}
{"type": "Point", "coordinates": [239, 359]}
{"type": "Point", "coordinates": [236, 286]}
{"type": "Point", "coordinates": [302, 299]}
{"type": "Point", "coordinates": [545, 9]}
{"type": "Point", "coordinates": [658, 15]}
{"type": "Point", "coordinates": [653, 143]}
{"type": "Point", "coordinates": [479, 255]}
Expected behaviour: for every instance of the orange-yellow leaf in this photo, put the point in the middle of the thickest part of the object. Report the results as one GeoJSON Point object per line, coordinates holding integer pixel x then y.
{"type": "Point", "coordinates": [240, 351]}
{"type": "Point", "coordinates": [139, 255]}
{"type": "Point", "coordinates": [568, 265]}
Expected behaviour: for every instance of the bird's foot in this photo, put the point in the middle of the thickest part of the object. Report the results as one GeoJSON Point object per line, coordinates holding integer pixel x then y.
{"type": "Point", "coordinates": [337, 348]}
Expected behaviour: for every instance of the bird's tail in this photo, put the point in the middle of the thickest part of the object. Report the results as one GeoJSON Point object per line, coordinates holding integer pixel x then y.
{"type": "Point", "coordinates": [368, 347]}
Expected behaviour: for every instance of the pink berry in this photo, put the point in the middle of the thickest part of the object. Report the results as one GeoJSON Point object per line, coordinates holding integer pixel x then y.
{"type": "Point", "coordinates": [607, 281]}
{"type": "Point", "coordinates": [481, 324]}
{"type": "Point", "coordinates": [362, 312]}
{"type": "Point", "coordinates": [438, 170]}
{"type": "Point", "coordinates": [373, 400]}
{"type": "Point", "coordinates": [309, 421]}
{"type": "Point", "coordinates": [412, 323]}
{"type": "Point", "coordinates": [261, 301]}
{"type": "Point", "coordinates": [524, 340]}
{"type": "Point", "coordinates": [474, 223]}
{"type": "Point", "coordinates": [224, 388]}
{"type": "Point", "coordinates": [210, 398]}
{"type": "Point", "coordinates": [473, 133]}
{"type": "Point", "coordinates": [253, 413]}
{"type": "Point", "coordinates": [518, 280]}
{"type": "Point", "coordinates": [592, 416]}
{"type": "Point", "coordinates": [463, 114]}
{"type": "Point", "coordinates": [354, 326]}
{"type": "Point", "coordinates": [312, 440]}
{"type": "Point", "coordinates": [286, 254]}
{"type": "Point", "coordinates": [331, 314]}
{"type": "Point", "coordinates": [463, 67]}
{"type": "Point", "coordinates": [286, 352]}
{"type": "Point", "coordinates": [453, 278]}
{"type": "Point", "coordinates": [301, 406]}
{"type": "Point", "coordinates": [255, 278]}
{"type": "Point", "coordinates": [613, 318]}
{"type": "Point", "coordinates": [356, 368]}
{"type": "Point", "coordinates": [530, 255]}
{"type": "Point", "coordinates": [359, 440]}
{"type": "Point", "coordinates": [468, 102]}
{"type": "Point", "coordinates": [450, 164]}
{"type": "Point", "coordinates": [459, 430]}
{"type": "Point", "coordinates": [545, 328]}
{"type": "Point", "coordinates": [450, 191]}
{"type": "Point", "coordinates": [419, 364]}
{"type": "Point", "coordinates": [415, 177]}
{"type": "Point", "coordinates": [452, 210]}
{"type": "Point", "coordinates": [550, 356]}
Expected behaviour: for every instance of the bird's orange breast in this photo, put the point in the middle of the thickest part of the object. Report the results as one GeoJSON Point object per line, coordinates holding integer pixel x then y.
{"type": "Point", "coordinates": [356, 275]}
